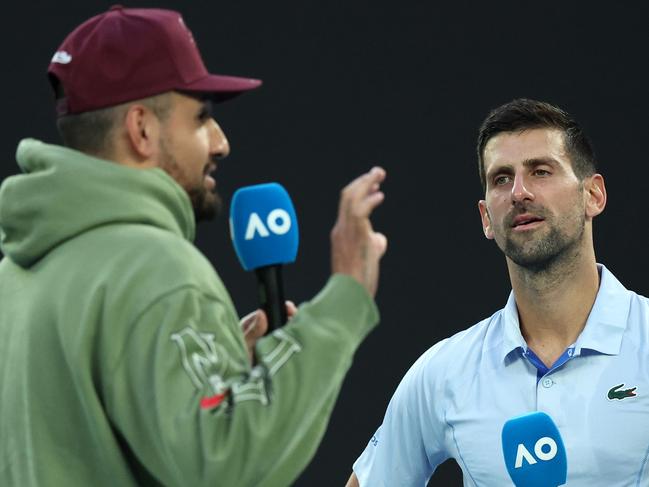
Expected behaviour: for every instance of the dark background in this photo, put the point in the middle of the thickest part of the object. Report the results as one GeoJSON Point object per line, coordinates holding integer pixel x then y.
{"type": "Point", "coordinates": [405, 85]}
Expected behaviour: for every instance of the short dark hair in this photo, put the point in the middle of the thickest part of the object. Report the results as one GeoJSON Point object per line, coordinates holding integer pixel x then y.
{"type": "Point", "coordinates": [90, 132]}
{"type": "Point", "coordinates": [524, 114]}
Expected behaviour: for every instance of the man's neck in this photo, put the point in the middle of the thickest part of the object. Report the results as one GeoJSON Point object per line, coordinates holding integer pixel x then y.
{"type": "Point", "coordinates": [553, 305]}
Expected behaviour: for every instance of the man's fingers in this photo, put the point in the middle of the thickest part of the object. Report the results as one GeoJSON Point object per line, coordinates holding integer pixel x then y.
{"type": "Point", "coordinates": [356, 249]}
{"type": "Point", "coordinates": [254, 326]}
{"type": "Point", "coordinates": [361, 187]}
{"type": "Point", "coordinates": [365, 183]}
{"type": "Point", "coordinates": [291, 309]}
{"type": "Point", "coordinates": [381, 243]}
{"type": "Point", "coordinates": [248, 321]}
{"type": "Point", "coordinates": [367, 204]}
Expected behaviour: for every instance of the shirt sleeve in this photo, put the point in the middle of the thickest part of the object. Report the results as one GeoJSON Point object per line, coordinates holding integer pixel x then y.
{"type": "Point", "coordinates": [193, 411]}
{"type": "Point", "coordinates": [410, 443]}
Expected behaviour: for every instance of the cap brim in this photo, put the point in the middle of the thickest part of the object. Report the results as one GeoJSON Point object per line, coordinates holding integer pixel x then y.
{"type": "Point", "coordinates": [220, 87]}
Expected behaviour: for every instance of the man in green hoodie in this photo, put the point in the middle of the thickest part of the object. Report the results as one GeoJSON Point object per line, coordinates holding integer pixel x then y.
{"type": "Point", "coordinates": [122, 359]}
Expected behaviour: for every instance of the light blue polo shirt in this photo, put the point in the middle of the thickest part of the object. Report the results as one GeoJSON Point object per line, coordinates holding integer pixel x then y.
{"type": "Point", "coordinates": [454, 400]}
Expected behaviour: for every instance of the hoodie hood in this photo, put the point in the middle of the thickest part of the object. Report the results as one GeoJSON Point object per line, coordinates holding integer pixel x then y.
{"type": "Point", "coordinates": [63, 192]}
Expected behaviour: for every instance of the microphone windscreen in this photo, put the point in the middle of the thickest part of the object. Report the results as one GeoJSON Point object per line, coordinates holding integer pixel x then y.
{"type": "Point", "coordinates": [534, 452]}
{"type": "Point", "coordinates": [263, 226]}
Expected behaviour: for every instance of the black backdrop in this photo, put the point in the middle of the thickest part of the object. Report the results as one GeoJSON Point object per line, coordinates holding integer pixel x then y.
{"type": "Point", "coordinates": [401, 84]}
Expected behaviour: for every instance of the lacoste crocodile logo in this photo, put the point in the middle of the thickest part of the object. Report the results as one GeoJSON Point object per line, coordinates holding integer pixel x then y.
{"type": "Point", "coordinates": [614, 393]}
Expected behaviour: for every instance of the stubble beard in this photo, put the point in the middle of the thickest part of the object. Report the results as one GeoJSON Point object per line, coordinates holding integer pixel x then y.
{"type": "Point", "coordinates": [205, 203]}
{"type": "Point", "coordinates": [544, 254]}
{"type": "Point", "coordinates": [541, 254]}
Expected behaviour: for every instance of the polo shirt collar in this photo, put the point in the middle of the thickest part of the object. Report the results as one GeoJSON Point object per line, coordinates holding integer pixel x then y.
{"type": "Point", "coordinates": [604, 328]}
{"type": "Point", "coordinates": [512, 337]}
{"type": "Point", "coordinates": [607, 320]}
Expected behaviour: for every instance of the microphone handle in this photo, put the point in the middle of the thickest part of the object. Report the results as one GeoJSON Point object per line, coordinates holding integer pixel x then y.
{"type": "Point", "coordinates": [271, 294]}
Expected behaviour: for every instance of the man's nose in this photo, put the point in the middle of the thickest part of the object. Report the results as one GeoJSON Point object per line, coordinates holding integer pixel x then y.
{"type": "Point", "coordinates": [219, 145]}
{"type": "Point", "coordinates": [520, 189]}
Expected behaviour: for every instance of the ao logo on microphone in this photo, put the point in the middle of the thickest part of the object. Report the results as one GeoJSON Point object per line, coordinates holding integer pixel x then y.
{"type": "Point", "coordinates": [545, 450]}
{"type": "Point", "coordinates": [263, 226]}
{"type": "Point", "coordinates": [277, 222]}
{"type": "Point", "coordinates": [533, 450]}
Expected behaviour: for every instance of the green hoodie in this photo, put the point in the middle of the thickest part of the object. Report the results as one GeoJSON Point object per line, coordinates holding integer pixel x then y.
{"type": "Point", "coordinates": [121, 358]}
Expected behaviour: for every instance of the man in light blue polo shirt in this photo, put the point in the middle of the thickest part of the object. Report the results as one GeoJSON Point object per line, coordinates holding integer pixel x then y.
{"type": "Point", "coordinates": [571, 340]}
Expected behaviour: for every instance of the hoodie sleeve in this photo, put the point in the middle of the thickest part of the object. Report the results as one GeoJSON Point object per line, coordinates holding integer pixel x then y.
{"type": "Point", "coordinates": [193, 412]}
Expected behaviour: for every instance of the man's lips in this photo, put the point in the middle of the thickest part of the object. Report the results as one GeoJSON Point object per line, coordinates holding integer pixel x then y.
{"type": "Point", "coordinates": [209, 180]}
{"type": "Point", "coordinates": [525, 221]}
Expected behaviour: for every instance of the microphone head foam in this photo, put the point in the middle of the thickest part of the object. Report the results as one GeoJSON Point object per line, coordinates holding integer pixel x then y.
{"type": "Point", "coordinates": [263, 226]}
{"type": "Point", "coordinates": [534, 452]}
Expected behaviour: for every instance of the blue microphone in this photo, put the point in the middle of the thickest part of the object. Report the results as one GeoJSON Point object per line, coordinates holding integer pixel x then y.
{"type": "Point", "coordinates": [264, 231]}
{"type": "Point", "coordinates": [534, 452]}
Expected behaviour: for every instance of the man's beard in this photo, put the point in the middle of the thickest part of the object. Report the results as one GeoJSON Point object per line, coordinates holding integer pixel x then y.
{"type": "Point", "coordinates": [541, 253]}
{"type": "Point", "coordinates": [206, 204]}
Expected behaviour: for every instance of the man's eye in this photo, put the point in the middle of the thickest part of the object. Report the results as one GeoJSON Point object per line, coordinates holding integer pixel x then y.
{"type": "Point", "coordinates": [205, 112]}
{"type": "Point", "coordinates": [541, 172]}
{"type": "Point", "coordinates": [500, 180]}
{"type": "Point", "coordinates": [204, 115]}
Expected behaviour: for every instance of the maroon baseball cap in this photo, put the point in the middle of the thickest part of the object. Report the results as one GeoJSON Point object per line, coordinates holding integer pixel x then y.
{"type": "Point", "coordinates": [127, 54]}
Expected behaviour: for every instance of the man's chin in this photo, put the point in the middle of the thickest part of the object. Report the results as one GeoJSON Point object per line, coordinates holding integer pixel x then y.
{"type": "Point", "coordinates": [207, 205]}
{"type": "Point", "coordinates": [533, 263]}
{"type": "Point", "coordinates": [205, 214]}
{"type": "Point", "coordinates": [538, 256]}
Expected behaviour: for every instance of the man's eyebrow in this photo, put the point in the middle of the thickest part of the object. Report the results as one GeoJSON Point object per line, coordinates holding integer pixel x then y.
{"type": "Point", "coordinates": [205, 108]}
{"type": "Point", "coordinates": [499, 169]}
{"type": "Point", "coordinates": [528, 163]}
{"type": "Point", "coordinates": [538, 161]}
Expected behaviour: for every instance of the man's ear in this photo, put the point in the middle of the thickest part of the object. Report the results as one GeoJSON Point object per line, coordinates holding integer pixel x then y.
{"type": "Point", "coordinates": [142, 131]}
{"type": "Point", "coordinates": [595, 194]}
{"type": "Point", "coordinates": [486, 220]}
